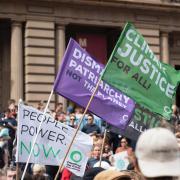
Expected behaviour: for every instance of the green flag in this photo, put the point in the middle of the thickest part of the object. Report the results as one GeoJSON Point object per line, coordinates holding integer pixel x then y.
{"type": "Point", "coordinates": [134, 69]}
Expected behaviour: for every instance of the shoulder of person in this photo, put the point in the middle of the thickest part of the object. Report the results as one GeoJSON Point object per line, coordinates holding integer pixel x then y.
{"type": "Point", "coordinates": [119, 149]}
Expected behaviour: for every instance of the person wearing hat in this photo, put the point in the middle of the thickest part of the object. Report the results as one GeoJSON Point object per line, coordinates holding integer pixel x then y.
{"type": "Point", "coordinates": [158, 155]}
{"type": "Point", "coordinates": [118, 175]}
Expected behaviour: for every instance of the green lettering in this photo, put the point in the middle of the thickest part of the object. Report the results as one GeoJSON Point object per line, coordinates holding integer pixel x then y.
{"type": "Point", "coordinates": [46, 153]}
{"type": "Point", "coordinates": [145, 119]}
{"type": "Point", "coordinates": [38, 150]}
{"type": "Point", "coordinates": [28, 149]}
{"type": "Point", "coordinates": [22, 145]}
{"type": "Point", "coordinates": [137, 115]}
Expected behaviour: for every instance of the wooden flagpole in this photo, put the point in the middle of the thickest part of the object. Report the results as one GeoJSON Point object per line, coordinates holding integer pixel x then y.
{"type": "Point", "coordinates": [102, 147]}
{"type": "Point", "coordinates": [17, 171]}
{"type": "Point", "coordinates": [17, 146]}
{"type": "Point", "coordinates": [60, 168]}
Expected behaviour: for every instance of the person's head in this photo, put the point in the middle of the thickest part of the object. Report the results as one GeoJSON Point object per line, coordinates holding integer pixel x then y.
{"type": "Point", "coordinates": [107, 148]}
{"type": "Point", "coordinates": [72, 119]}
{"type": "Point", "coordinates": [158, 154]}
{"type": "Point", "coordinates": [61, 117]}
{"type": "Point", "coordinates": [96, 151]}
{"type": "Point", "coordinates": [38, 169]}
{"type": "Point", "coordinates": [3, 174]}
{"type": "Point", "coordinates": [59, 107]}
{"type": "Point", "coordinates": [11, 173]}
{"type": "Point", "coordinates": [41, 106]}
{"type": "Point", "coordinates": [124, 142]}
{"type": "Point", "coordinates": [90, 119]}
{"type": "Point", "coordinates": [11, 101]}
{"type": "Point", "coordinates": [78, 110]}
{"type": "Point", "coordinates": [11, 104]}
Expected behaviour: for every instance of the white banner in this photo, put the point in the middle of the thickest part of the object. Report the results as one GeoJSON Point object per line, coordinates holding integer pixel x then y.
{"type": "Point", "coordinates": [52, 143]}
{"type": "Point", "coordinates": [121, 161]}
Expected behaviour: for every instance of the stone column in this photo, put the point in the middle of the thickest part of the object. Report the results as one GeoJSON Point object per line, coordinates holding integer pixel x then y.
{"type": "Point", "coordinates": [16, 62]}
{"type": "Point", "coordinates": [165, 47]}
{"type": "Point", "coordinates": [60, 49]}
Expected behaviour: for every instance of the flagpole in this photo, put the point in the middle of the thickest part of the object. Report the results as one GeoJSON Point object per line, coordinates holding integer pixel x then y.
{"type": "Point", "coordinates": [39, 128]}
{"type": "Point", "coordinates": [17, 171]}
{"type": "Point", "coordinates": [60, 168]}
{"type": "Point", "coordinates": [17, 139]}
{"type": "Point", "coordinates": [102, 147]}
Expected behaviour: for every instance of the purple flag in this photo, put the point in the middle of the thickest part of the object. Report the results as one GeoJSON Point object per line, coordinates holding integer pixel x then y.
{"type": "Point", "coordinates": [77, 79]}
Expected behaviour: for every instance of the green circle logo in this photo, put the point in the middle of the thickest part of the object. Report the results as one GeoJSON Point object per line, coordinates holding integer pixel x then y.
{"type": "Point", "coordinates": [76, 156]}
{"type": "Point", "coordinates": [167, 109]}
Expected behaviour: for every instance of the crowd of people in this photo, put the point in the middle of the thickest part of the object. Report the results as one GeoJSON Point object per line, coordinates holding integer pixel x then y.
{"type": "Point", "coordinates": [156, 155]}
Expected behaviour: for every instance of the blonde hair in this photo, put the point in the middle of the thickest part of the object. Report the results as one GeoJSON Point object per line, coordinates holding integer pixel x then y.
{"type": "Point", "coordinates": [39, 169]}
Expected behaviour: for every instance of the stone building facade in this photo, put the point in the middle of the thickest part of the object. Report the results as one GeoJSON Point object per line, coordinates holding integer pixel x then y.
{"type": "Point", "coordinates": [34, 35]}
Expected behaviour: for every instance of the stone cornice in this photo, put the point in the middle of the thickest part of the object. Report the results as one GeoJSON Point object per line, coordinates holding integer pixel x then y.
{"type": "Point", "coordinates": [93, 12]}
{"type": "Point", "coordinates": [159, 5]}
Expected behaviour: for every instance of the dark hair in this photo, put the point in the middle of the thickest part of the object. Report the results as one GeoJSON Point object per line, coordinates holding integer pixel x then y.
{"type": "Point", "coordinates": [11, 168]}
{"type": "Point", "coordinates": [59, 104]}
{"type": "Point", "coordinates": [90, 115]}
{"type": "Point", "coordinates": [72, 115]}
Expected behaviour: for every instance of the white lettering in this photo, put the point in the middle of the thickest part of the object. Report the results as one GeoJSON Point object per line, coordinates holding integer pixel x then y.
{"type": "Point", "coordinates": [127, 52]}
{"type": "Point", "coordinates": [130, 35]}
{"type": "Point", "coordinates": [170, 90]}
{"type": "Point", "coordinates": [161, 83]}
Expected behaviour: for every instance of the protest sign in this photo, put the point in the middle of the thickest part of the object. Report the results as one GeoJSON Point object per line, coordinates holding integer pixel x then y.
{"type": "Point", "coordinates": [134, 69]}
{"type": "Point", "coordinates": [52, 141]}
{"type": "Point", "coordinates": [121, 161]}
{"type": "Point", "coordinates": [142, 120]}
{"type": "Point", "coordinates": [78, 78]}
